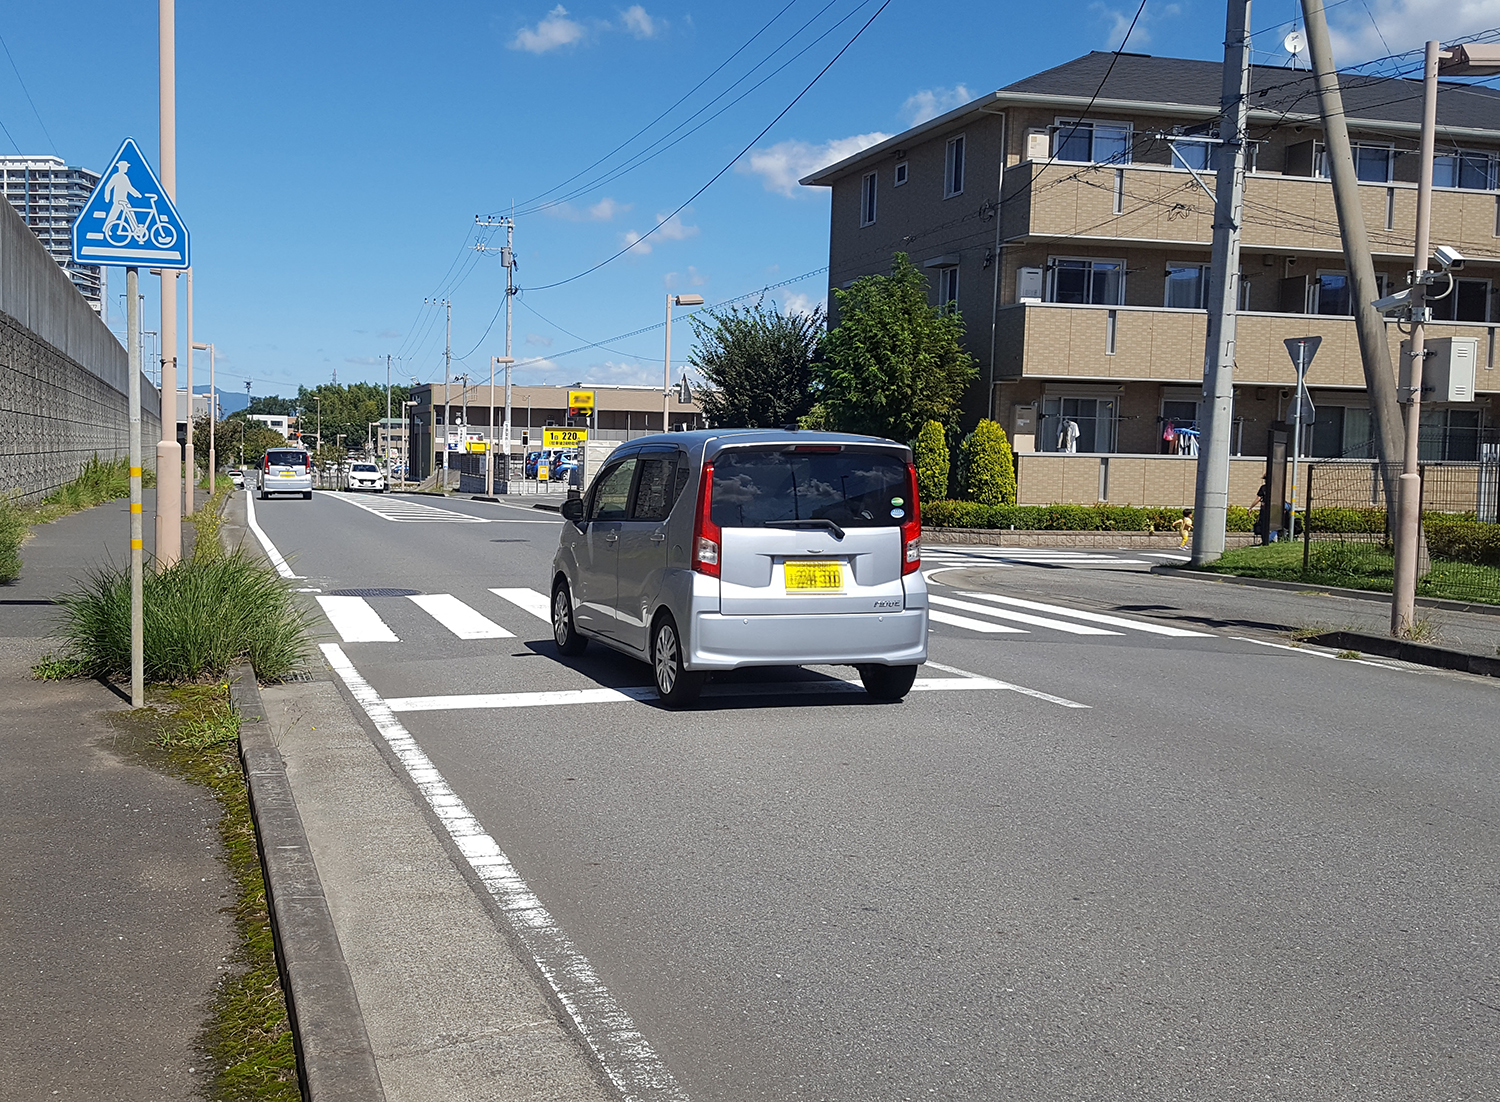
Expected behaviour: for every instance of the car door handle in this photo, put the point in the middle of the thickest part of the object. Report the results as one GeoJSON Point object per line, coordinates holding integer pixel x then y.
{"type": "Point", "coordinates": [610, 537]}
{"type": "Point", "coordinates": [657, 537]}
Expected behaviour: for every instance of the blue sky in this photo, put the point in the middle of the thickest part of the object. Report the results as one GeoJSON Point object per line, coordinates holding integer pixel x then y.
{"type": "Point", "coordinates": [332, 157]}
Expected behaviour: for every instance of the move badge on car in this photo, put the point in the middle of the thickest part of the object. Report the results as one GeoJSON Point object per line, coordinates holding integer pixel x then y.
{"type": "Point", "coordinates": [814, 576]}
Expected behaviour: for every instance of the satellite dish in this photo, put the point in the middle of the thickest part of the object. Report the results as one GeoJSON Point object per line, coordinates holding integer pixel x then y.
{"type": "Point", "coordinates": [1294, 43]}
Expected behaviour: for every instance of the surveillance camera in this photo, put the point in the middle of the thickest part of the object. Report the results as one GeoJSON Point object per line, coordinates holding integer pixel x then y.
{"type": "Point", "coordinates": [1393, 302]}
{"type": "Point", "coordinates": [1450, 258]}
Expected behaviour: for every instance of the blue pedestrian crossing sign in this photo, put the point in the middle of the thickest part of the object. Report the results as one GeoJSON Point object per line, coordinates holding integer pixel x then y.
{"type": "Point", "coordinates": [129, 221]}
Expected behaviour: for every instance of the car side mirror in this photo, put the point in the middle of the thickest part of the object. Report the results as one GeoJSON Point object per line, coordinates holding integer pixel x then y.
{"type": "Point", "coordinates": [572, 509]}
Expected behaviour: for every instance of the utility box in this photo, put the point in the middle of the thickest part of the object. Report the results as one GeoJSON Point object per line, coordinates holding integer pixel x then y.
{"type": "Point", "coordinates": [1023, 427]}
{"type": "Point", "coordinates": [1447, 374]}
{"type": "Point", "coordinates": [1029, 284]}
{"type": "Point", "coordinates": [1038, 148]}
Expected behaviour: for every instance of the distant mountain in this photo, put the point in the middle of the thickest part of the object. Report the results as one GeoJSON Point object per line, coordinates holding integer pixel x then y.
{"type": "Point", "coordinates": [229, 401]}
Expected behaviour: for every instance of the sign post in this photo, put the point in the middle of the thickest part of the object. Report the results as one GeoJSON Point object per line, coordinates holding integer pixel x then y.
{"type": "Point", "coordinates": [1302, 350]}
{"type": "Point", "coordinates": [137, 554]}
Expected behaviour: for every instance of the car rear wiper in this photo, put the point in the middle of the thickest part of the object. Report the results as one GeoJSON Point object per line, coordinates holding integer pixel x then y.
{"type": "Point", "coordinates": [819, 522]}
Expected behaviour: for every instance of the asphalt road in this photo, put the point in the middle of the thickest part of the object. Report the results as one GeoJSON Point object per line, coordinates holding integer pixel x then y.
{"type": "Point", "coordinates": [1239, 869]}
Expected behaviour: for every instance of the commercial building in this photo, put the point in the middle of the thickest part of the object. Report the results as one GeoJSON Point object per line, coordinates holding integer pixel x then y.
{"type": "Point", "coordinates": [1076, 247]}
{"type": "Point", "coordinates": [276, 422]}
{"type": "Point", "coordinates": [620, 413]}
{"type": "Point", "coordinates": [48, 194]}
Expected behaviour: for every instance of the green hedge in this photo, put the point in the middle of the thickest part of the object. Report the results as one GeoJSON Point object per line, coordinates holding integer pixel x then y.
{"type": "Point", "coordinates": [1462, 539]}
{"type": "Point", "coordinates": [1064, 518]}
{"type": "Point", "coordinates": [930, 456]}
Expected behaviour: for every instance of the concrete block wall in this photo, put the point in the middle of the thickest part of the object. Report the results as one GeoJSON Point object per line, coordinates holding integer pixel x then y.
{"type": "Point", "coordinates": [63, 374]}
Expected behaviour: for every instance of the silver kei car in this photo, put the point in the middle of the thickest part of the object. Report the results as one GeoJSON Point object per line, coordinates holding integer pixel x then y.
{"type": "Point", "coordinates": [721, 549]}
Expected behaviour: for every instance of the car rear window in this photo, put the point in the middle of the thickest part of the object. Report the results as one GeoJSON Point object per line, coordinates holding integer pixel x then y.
{"type": "Point", "coordinates": [853, 488]}
{"type": "Point", "coordinates": [366, 468]}
{"type": "Point", "coordinates": [287, 459]}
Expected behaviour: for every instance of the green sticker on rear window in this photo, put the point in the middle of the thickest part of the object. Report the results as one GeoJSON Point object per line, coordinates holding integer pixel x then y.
{"type": "Point", "coordinates": [897, 501]}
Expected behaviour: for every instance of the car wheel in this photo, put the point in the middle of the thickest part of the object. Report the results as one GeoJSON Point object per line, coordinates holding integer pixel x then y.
{"type": "Point", "coordinates": [888, 682]}
{"type": "Point", "coordinates": [306, 495]}
{"type": "Point", "coordinates": [675, 685]}
{"type": "Point", "coordinates": [564, 630]}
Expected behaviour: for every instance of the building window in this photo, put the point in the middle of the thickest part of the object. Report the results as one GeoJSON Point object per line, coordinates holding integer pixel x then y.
{"type": "Point", "coordinates": [1465, 168]}
{"type": "Point", "coordinates": [1091, 142]}
{"type": "Point", "coordinates": [900, 173]}
{"type": "Point", "coordinates": [1450, 435]}
{"type": "Point", "coordinates": [947, 289]}
{"type": "Point", "coordinates": [1187, 286]}
{"type": "Point", "coordinates": [953, 173]}
{"type": "Point", "coordinates": [867, 200]}
{"type": "Point", "coordinates": [1332, 293]}
{"type": "Point", "coordinates": [1178, 414]}
{"type": "Point", "coordinates": [1468, 301]}
{"type": "Point", "coordinates": [1078, 424]}
{"type": "Point", "coordinates": [1194, 153]}
{"type": "Point", "coordinates": [1090, 282]}
{"type": "Point", "coordinates": [1372, 163]}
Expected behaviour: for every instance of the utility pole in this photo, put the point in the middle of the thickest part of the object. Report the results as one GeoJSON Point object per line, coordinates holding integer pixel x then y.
{"type": "Point", "coordinates": [387, 426]}
{"type": "Point", "coordinates": [190, 479]}
{"type": "Point", "coordinates": [447, 375]}
{"type": "Point", "coordinates": [463, 430]}
{"type": "Point", "coordinates": [168, 451]}
{"type": "Point", "coordinates": [1211, 497]}
{"type": "Point", "coordinates": [1369, 323]}
{"type": "Point", "coordinates": [508, 262]}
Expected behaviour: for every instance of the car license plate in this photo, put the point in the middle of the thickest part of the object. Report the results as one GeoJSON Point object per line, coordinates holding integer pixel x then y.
{"type": "Point", "coordinates": [809, 576]}
{"type": "Point", "coordinates": [287, 474]}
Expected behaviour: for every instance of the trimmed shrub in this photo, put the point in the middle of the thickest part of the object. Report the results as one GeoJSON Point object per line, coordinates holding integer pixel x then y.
{"type": "Point", "coordinates": [987, 468]}
{"type": "Point", "coordinates": [930, 454]}
{"type": "Point", "coordinates": [1461, 539]}
{"type": "Point", "coordinates": [12, 534]}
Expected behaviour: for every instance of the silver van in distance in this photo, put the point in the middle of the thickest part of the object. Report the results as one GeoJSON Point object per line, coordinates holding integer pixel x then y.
{"type": "Point", "coordinates": [726, 548]}
{"type": "Point", "coordinates": [286, 471]}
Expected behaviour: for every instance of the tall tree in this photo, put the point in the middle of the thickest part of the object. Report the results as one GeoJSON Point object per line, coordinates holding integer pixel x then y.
{"type": "Point", "coordinates": [758, 364]}
{"type": "Point", "coordinates": [894, 361]}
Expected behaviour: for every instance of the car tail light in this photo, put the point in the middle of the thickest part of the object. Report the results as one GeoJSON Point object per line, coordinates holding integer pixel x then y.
{"type": "Point", "coordinates": [309, 463]}
{"type": "Point", "coordinates": [706, 534]}
{"type": "Point", "coordinates": [911, 527]}
{"type": "Point", "coordinates": [267, 467]}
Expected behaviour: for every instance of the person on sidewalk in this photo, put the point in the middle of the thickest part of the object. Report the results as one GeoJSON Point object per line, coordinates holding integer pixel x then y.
{"type": "Point", "coordinates": [1261, 506]}
{"type": "Point", "coordinates": [1185, 526]}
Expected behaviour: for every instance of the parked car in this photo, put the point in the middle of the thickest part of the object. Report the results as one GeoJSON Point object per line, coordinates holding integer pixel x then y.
{"type": "Point", "coordinates": [365, 476]}
{"type": "Point", "coordinates": [716, 550]}
{"type": "Point", "coordinates": [560, 464]}
{"type": "Point", "coordinates": [237, 477]}
{"type": "Point", "coordinates": [286, 471]}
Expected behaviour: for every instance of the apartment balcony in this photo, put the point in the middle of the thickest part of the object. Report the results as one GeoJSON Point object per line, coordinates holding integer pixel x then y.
{"type": "Point", "coordinates": [1156, 344]}
{"type": "Point", "coordinates": [1287, 214]}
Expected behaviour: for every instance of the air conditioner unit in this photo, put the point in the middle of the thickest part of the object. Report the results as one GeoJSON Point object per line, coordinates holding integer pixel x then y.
{"type": "Point", "coordinates": [1029, 284]}
{"type": "Point", "coordinates": [1038, 148]}
{"type": "Point", "coordinates": [1448, 373]}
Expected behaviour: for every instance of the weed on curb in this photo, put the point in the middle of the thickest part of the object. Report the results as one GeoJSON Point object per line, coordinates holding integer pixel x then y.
{"type": "Point", "coordinates": [192, 732]}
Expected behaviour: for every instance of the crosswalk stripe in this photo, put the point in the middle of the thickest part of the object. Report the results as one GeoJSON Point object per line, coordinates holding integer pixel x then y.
{"type": "Point", "coordinates": [973, 625]}
{"type": "Point", "coordinates": [458, 617]}
{"type": "Point", "coordinates": [529, 600]}
{"type": "Point", "coordinates": [1095, 617]}
{"type": "Point", "coordinates": [408, 512]}
{"type": "Point", "coordinates": [1019, 617]}
{"type": "Point", "coordinates": [356, 621]}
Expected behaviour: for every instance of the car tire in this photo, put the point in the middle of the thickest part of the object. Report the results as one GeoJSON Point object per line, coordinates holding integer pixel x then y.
{"type": "Point", "coordinates": [675, 685]}
{"type": "Point", "coordinates": [306, 495]}
{"type": "Point", "coordinates": [564, 630]}
{"type": "Point", "coordinates": [889, 683]}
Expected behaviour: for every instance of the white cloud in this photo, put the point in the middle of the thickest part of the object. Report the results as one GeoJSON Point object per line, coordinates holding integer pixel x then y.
{"type": "Point", "coordinates": [554, 31]}
{"type": "Point", "coordinates": [673, 228]}
{"type": "Point", "coordinates": [1119, 23]}
{"type": "Point", "coordinates": [780, 166]}
{"type": "Point", "coordinates": [602, 211]}
{"type": "Point", "coordinates": [632, 241]}
{"type": "Point", "coordinates": [638, 23]}
{"type": "Point", "coordinates": [538, 339]}
{"type": "Point", "coordinates": [695, 278]}
{"type": "Point", "coordinates": [929, 103]}
{"type": "Point", "coordinates": [797, 303]}
{"type": "Point", "coordinates": [1405, 25]}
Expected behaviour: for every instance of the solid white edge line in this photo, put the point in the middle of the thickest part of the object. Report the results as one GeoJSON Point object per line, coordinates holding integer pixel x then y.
{"type": "Point", "coordinates": [1318, 653]}
{"type": "Point", "coordinates": [461, 619]}
{"type": "Point", "coordinates": [627, 1058]}
{"type": "Point", "coordinates": [265, 541]}
{"type": "Point", "coordinates": [1022, 689]}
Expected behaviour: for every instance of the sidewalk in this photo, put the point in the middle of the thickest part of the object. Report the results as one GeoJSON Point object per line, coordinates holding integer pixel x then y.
{"type": "Point", "coordinates": [110, 884]}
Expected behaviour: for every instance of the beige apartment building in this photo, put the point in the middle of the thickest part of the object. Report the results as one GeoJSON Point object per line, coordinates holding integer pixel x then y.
{"type": "Point", "coordinates": [1067, 216]}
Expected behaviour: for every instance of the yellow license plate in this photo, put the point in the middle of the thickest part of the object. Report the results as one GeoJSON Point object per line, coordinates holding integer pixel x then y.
{"type": "Point", "coordinates": [814, 577]}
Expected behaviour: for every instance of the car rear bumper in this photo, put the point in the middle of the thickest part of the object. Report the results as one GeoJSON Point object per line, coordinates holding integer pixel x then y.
{"type": "Point", "coordinates": [719, 642]}
{"type": "Point", "coordinates": [286, 486]}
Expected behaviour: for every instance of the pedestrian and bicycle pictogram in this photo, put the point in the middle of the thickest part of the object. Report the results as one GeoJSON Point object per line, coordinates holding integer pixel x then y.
{"type": "Point", "coordinates": [129, 219]}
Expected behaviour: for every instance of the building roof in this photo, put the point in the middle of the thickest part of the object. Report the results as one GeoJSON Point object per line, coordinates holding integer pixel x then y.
{"type": "Point", "coordinates": [1189, 87]}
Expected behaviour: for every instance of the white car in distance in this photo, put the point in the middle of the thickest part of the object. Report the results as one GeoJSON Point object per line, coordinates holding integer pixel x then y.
{"type": "Point", "coordinates": [366, 476]}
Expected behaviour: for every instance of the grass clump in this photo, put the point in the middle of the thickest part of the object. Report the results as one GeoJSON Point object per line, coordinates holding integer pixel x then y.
{"type": "Point", "coordinates": [1352, 565]}
{"type": "Point", "coordinates": [98, 482]}
{"type": "Point", "coordinates": [202, 615]}
{"type": "Point", "coordinates": [13, 528]}
{"type": "Point", "coordinates": [247, 1039]}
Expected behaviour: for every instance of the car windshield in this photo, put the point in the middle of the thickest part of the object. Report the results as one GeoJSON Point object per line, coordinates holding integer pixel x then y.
{"type": "Point", "coordinates": [365, 468]}
{"type": "Point", "coordinates": [287, 459]}
{"type": "Point", "coordinates": [852, 487]}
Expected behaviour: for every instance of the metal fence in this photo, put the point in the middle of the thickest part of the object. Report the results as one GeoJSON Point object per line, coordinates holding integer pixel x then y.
{"type": "Point", "coordinates": [1347, 535]}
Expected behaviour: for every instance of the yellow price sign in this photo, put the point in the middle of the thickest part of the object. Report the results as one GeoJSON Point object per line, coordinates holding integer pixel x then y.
{"type": "Point", "coordinates": [479, 446]}
{"type": "Point", "coordinates": [581, 402]}
{"type": "Point", "coordinates": [563, 438]}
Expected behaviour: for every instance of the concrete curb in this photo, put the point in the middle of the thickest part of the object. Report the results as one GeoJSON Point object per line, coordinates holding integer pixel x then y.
{"type": "Point", "coordinates": [334, 1059]}
{"type": "Point", "coordinates": [1406, 651]}
{"type": "Point", "coordinates": [1332, 590]}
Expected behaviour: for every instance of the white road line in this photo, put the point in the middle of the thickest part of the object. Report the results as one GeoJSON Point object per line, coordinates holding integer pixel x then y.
{"type": "Point", "coordinates": [627, 1058]}
{"type": "Point", "coordinates": [408, 512]}
{"type": "Point", "coordinates": [1022, 689]}
{"type": "Point", "coordinates": [1164, 555]}
{"type": "Point", "coordinates": [356, 621]}
{"type": "Point", "coordinates": [1095, 617]}
{"type": "Point", "coordinates": [458, 617]}
{"type": "Point", "coordinates": [973, 625]}
{"type": "Point", "coordinates": [1318, 653]}
{"type": "Point", "coordinates": [529, 600]}
{"type": "Point", "coordinates": [1019, 617]}
{"type": "Point", "coordinates": [265, 541]}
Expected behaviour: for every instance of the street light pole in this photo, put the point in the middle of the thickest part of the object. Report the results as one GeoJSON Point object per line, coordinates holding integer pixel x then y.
{"type": "Point", "coordinates": [168, 451]}
{"type": "Point", "coordinates": [213, 400]}
{"type": "Point", "coordinates": [666, 366]}
{"type": "Point", "coordinates": [189, 465]}
{"type": "Point", "coordinates": [406, 446]}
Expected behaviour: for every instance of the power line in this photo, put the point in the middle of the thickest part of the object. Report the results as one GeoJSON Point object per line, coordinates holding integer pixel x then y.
{"type": "Point", "coordinates": [728, 164]}
{"type": "Point", "coordinates": [29, 100]}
